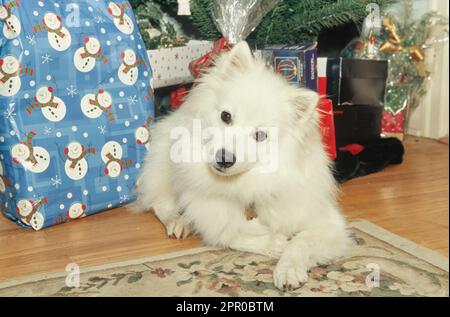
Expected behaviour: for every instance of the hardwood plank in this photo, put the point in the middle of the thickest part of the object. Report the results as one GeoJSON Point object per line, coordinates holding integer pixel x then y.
{"type": "Point", "coordinates": [107, 237]}
{"type": "Point", "coordinates": [410, 199]}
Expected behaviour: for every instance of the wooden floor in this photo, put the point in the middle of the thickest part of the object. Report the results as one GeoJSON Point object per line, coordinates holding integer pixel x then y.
{"type": "Point", "coordinates": [410, 200]}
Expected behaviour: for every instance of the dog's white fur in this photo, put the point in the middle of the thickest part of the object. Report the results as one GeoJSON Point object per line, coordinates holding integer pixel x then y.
{"type": "Point", "coordinates": [298, 220]}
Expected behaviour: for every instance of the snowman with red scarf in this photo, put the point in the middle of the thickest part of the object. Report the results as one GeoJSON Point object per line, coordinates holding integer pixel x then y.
{"type": "Point", "coordinates": [112, 154]}
{"type": "Point", "coordinates": [76, 165]}
{"type": "Point", "coordinates": [11, 24]}
{"type": "Point", "coordinates": [142, 134]}
{"type": "Point", "coordinates": [52, 107]}
{"type": "Point", "coordinates": [94, 105]}
{"type": "Point", "coordinates": [76, 210]}
{"type": "Point", "coordinates": [28, 211]}
{"type": "Point", "coordinates": [10, 72]}
{"type": "Point", "coordinates": [35, 159]}
{"type": "Point", "coordinates": [58, 36]}
{"type": "Point", "coordinates": [85, 57]}
{"type": "Point", "coordinates": [128, 71]}
{"type": "Point", "coordinates": [121, 20]}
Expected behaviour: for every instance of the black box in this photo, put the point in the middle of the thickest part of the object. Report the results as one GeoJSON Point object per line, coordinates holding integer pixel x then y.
{"type": "Point", "coordinates": [333, 79]}
{"type": "Point", "coordinates": [363, 82]}
{"type": "Point", "coordinates": [357, 124]}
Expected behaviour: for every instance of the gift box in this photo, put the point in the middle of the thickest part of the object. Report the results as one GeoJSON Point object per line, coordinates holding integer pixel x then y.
{"type": "Point", "coordinates": [357, 124]}
{"type": "Point", "coordinates": [363, 82]}
{"type": "Point", "coordinates": [328, 72]}
{"type": "Point", "coordinates": [393, 125]}
{"type": "Point", "coordinates": [360, 102]}
{"type": "Point", "coordinates": [297, 63]}
{"type": "Point", "coordinates": [326, 125]}
{"type": "Point", "coordinates": [171, 65]}
{"type": "Point", "coordinates": [76, 105]}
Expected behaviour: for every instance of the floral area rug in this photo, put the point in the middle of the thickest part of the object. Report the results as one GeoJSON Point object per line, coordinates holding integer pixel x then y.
{"type": "Point", "coordinates": [379, 264]}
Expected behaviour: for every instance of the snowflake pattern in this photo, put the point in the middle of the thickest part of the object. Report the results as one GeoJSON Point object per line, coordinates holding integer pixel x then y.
{"type": "Point", "coordinates": [46, 59]}
{"type": "Point", "coordinates": [102, 129]}
{"type": "Point", "coordinates": [72, 91]}
{"type": "Point", "coordinates": [10, 112]}
{"type": "Point", "coordinates": [48, 130]}
{"type": "Point", "coordinates": [99, 20]}
{"type": "Point", "coordinates": [56, 181]}
{"type": "Point", "coordinates": [124, 199]}
{"type": "Point", "coordinates": [132, 100]}
{"type": "Point", "coordinates": [31, 39]}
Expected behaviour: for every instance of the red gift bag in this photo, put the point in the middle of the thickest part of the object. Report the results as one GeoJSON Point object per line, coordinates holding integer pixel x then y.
{"type": "Point", "coordinates": [326, 125]}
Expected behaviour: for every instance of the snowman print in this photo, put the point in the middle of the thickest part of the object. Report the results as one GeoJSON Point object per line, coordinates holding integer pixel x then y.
{"type": "Point", "coordinates": [121, 20]}
{"type": "Point", "coordinates": [53, 108]}
{"type": "Point", "coordinates": [76, 165]}
{"type": "Point", "coordinates": [29, 213]}
{"type": "Point", "coordinates": [85, 57]}
{"type": "Point", "coordinates": [58, 36]}
{"type": "Point", "coordinates": [142, 134]}
{"type": "Point", "coordinates": [94, 105]}
{"type": "Point", "coordinates": [128, 71]}
{"type": "Point", "coordinates": [10, 71]}
{"type": "Point", "coordinates": [11, 24]}
{"type": "Point", "coordinates": [33, 158]}
{"type": "Point", "coordinates": [76, 210]}
{"type": "Point", "coordinates": [3, 180]}
{"type": "Point", "coordinates": [112, 154]}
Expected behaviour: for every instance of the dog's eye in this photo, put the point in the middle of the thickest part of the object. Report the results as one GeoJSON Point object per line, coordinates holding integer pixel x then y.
{"type": "Point", "coordinates": [226, 117]}
{"type": "Point", "coordinates": [260, 136]}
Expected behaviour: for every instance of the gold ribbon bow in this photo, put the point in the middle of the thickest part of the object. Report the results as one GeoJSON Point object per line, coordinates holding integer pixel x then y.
{"type": "Point", "coordinates": [395, 44]}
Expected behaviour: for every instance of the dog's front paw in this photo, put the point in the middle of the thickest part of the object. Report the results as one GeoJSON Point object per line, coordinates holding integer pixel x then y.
{"type": "Point", "coordinates": [289, 275]}
{"type": "Point", "coordinates": [177, 228]}
{"type": "Point", "coordinates": [276, 245]}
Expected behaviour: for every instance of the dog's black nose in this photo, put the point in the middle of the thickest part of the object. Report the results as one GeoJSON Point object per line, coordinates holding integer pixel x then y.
{"type": "Point", "coordinates": [225, 159]}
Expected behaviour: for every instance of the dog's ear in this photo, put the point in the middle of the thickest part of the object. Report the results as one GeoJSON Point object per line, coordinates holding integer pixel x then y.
{"type": "Point", "coordinates": [305, 102]}
{"type": "Point", "coordinates": [238, 59]}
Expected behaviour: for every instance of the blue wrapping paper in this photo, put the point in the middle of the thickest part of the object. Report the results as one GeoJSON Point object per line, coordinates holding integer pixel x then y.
{"type": "Point", "coordinates": [76, 104]}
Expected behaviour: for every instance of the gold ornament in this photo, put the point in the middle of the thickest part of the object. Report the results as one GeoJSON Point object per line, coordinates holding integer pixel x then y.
{"type": "Point", "coordinates": [416, 53]}
{"type": "Point", "coordinates": [389, 47]}
{"type": "Point", "coordinates": [390, 26]}
{"type": "Point", "coordinates": [394, 44]}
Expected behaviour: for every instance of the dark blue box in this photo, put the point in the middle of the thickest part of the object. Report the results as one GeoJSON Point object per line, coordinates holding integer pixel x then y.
{"type": "Point", "coordinates": [296, 63]}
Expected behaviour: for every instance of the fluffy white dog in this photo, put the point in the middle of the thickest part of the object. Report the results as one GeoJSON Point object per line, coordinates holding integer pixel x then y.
{"type": "Point", "coordinates": [290, 185]}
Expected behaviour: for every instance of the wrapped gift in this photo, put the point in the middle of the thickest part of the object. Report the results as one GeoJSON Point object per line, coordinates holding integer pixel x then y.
{"type": "Point", "coordinates": [357, 124]}
{"type": "Point", "coordinates": [358, 113]}
{"type": "Point", "coordinates": [326, 125]}
{"type": "Point", "coordinates": [398, 102]}
{"type": "Point", "coordinates": [393, 125]}
{"type": "Point", "coordinates": [363, 82]}
{"type": "Point", "coordinates": [296, 63]}
{"type": "Point", "coordinates": [235, 20]}
{"type": "Point", "coordinates": [76, 105]}
{"type": "Point", "coordinates": [171, 65]}
{"type": "Point", "coordinates": [328, 72]}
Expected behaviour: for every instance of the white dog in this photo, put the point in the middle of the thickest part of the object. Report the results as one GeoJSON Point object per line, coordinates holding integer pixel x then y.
{"type": "Point", "coordinates": [298, 220]}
